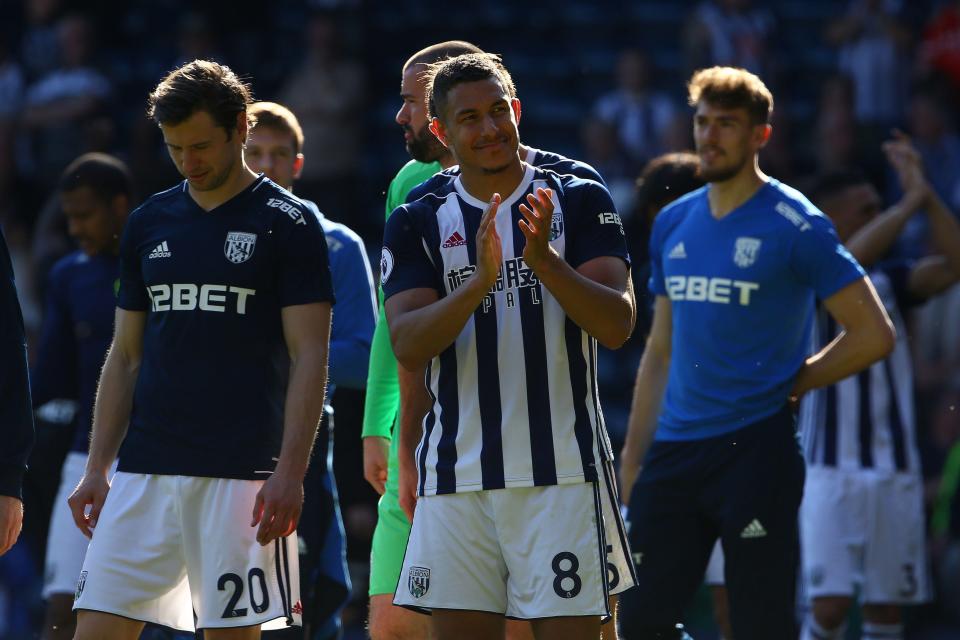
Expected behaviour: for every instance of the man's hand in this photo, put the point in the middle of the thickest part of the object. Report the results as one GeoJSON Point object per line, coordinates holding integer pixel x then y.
{"type": "Point", "coordinates": [11, 521]}
{"type": "Point", "coordinates": [92, 490]}
{"type": "Point", "coordinates": [906, 161]}
{"type": "Point", "coordinates": [376, 450]}
{"type": "Point", "coordinates": [489, 249]}
{"type": "Point", "coordinates": [277, 507]}
{"type": "Point", "coordinates": [536, 227]}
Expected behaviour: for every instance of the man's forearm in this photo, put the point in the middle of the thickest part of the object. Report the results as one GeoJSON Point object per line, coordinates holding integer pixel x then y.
{"type": "Point", "coordinates": [414, 404]}
{"type": "Point", "coordinates": [606, 314]}
{"type": "Point", "coordinates": [111, 411]}
{"type": "Point", "coordinates": [850, 352]}
{"type": "Point", "coordinates": [944, 231]}
{"type": "Point", "coordinates": [383, 397]}
{"type": "Point", "coordinates": [869, 244]}
{"type": "Point", "coordinates": [302, 410]}
{"type": "Point", "coordinates": [421, 334]}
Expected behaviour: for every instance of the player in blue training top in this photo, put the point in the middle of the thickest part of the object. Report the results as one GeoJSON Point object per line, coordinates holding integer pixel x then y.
{"type": "Point", "coordinates": [735, 267]}
{"type": "Point", "coordinates": [96, 194]}
{"type": "Point", "coordinates": [504, 299]}
{"type": "Point", "coordinates": [273, 148]}
{"type": "Point", "coordinates": [218, 364]}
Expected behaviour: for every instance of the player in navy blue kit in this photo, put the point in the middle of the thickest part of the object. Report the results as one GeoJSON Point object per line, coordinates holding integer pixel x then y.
{"type": "Point", "coordinates": [16, 417]}
{"type": "Point", "coordinates": [218, 364]}
{"type": "Point", "coordinates": [735, 267]}
{"type": "Point", "coordinates": [96, 195]}
{"type": "Point", "coordinates": [273, 147]}
{"type": "Point", "coordinates": [508, 522]}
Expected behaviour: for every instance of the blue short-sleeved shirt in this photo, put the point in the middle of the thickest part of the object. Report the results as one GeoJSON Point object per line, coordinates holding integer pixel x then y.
{"type": "Point", "coordinates": [742, 293]}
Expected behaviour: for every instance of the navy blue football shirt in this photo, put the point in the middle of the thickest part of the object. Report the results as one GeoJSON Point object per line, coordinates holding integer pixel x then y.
{"type": "Point", "coordinates": [210, 394]}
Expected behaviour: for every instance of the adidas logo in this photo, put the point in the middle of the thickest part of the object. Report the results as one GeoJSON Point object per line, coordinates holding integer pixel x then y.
{"type": "Point", "coordinates": [678, 251]}
{"type": "Point", "coordinates": [753, 530]}
{"type": "Point", "coordinates": [160, 251]}
{"type": "Point", "coordinates": [456, 240]}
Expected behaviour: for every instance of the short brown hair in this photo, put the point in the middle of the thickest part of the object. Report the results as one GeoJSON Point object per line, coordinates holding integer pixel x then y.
{"type": "Point", "coordinates": [201, 85]}
{"type": "Point", "coordinates": [444, 75]}
{"type": "Point", "coordinates": [732, 88]}
{"type": "Point", "coordinates": [276, 116]}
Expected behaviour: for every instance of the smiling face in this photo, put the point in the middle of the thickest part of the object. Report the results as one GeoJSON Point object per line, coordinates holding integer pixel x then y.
{"type": "Point", "coordinates": [479, 125]}
{"type": "Point", "coordinates": [203, 152]}
{"type": "Point", "coordinates": [420, 142]}
{"type": "Point", "coordinates": [727, 140]}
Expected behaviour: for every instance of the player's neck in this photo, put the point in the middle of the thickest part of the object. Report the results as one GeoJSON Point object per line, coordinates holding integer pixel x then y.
{"type": "Point", "coordinates": [727, 195]}
{"type": "Point", "coordinates": [482, 185]}
{"type": "Point", "coordinates": [239, 179]}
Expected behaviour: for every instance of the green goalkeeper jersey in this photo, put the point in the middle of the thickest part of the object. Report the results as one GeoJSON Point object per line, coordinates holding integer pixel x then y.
{"type": "Point", "coordinates": [381, 409]}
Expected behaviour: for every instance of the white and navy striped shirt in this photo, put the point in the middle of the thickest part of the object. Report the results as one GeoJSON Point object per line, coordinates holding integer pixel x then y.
{"type": "Point", "coordinates": [515, 399]}
{"type": "Point", "coordinates": [866, 421]}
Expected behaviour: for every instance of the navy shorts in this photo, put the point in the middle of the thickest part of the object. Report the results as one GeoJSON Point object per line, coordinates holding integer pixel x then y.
{"type": "Point", "coordinates": [743, 487]}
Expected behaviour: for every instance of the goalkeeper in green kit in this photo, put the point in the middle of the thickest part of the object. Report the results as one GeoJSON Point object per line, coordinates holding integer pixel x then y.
{"type": "Point", "coordinates": [382, 410]}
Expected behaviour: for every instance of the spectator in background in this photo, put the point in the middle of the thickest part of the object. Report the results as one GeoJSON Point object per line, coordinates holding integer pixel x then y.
{"type": "Point", "coordinates": [601, 149]}
{"type": "Point", "coordinates": [40, 42]}
{"type": "Point", "coordinates": [873, 41]}
{"type": "Point", "coordinates": [730, 33]}
{"type": "Point", "coordinates": [326, 93]}
{"type": "Point", "coordinates": [60, 110]}
{"type": "Point", "coordinates": [939, 49]}
{"type": "Point", "coordinates": [641, 116]}
{"type": "Point", "coordinates": [835, 127]}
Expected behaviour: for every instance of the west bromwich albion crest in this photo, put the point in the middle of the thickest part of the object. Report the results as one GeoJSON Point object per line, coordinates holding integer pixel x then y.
{"type": "Point", "coordinates": [239, 246]}
{"type": "Point", "coordinates": [745, 251]}
{"type": "Point", "coordinates": [556, 225]}
{"type": "Point", "coordinates": [418, 581]}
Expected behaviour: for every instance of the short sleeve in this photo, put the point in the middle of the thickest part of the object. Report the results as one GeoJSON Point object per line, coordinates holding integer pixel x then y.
{"type": "Point", "coordinates": [303, 273]}
{"type": "Point", "coordinates": [820, 261]}
{"type": "Point", "coordinates": [595, 226]}
{"type": "Point", "coordinates": [404, 262]}
{"type": "Point", "coordinates": [132, 295]}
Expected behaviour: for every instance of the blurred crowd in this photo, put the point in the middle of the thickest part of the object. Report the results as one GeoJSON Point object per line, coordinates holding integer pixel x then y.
{"type": "Point", "coordinates": [599, 81]}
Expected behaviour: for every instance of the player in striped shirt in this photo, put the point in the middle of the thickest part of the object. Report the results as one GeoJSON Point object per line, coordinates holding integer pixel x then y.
{"type": "Point", "coordinates": [862, 522]}
{"type": "Point", "coordinates": [512, 443]}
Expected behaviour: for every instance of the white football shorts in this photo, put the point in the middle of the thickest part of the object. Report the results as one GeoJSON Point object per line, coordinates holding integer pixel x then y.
{"type": "Point", "coordinates": [526, 552]}
{"type": "Point", "coordinates": [864, 529]}
{"type": "Point", "coordinates": [166, 547]}
{"type": "Point", "coordinates": [66, 546]}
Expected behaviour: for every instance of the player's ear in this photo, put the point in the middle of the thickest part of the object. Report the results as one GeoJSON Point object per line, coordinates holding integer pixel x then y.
{"type": "Point", "coordinates": [515, 105]}
{"type": "Point", "coordinates": [242, 126]}
{"type": "Point", "coordinates": [437, 129]}
{"type": "Point", "coordinates": [297, 166]}
{"type": "Point", "coordinates": [765, 132]}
